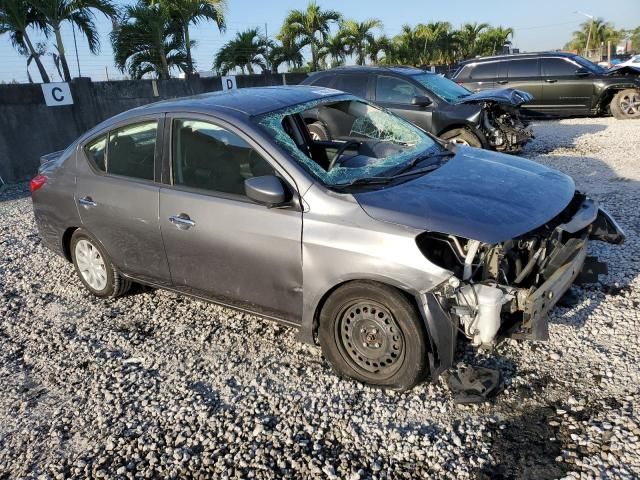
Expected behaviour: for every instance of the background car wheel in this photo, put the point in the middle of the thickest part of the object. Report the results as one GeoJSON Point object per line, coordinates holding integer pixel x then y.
{"type": "Point", "coordinates": [94, 267]}
{"type": "Point", "coordinates": [462, 136]}
{"type": "Point", "coordinates": [318, 132]}
{"type": "Point", "coordinates": [371, 333]}
{"type": "Point", "coordinates": [626, 104]}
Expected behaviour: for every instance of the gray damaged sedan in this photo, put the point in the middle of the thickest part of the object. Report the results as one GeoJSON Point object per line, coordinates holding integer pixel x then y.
{"type": "Point", "coordinates": [381, 244]}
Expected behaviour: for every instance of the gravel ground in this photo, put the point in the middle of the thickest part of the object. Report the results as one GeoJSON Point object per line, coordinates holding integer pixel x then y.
{"type": "Point", "coordinates": [156, 385]}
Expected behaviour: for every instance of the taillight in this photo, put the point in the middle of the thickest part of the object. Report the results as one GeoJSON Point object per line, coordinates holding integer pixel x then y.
{"type": "Point", "coordinates": [37, 182]}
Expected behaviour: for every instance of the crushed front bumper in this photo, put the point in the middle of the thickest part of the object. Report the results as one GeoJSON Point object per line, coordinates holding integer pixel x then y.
{"type": "Point", "coordinates": [589, 222]}
{"type": "Point", "coordinates": [535, 325]}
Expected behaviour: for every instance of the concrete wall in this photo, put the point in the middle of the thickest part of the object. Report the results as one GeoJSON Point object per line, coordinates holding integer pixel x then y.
{"type": "Point", "coordinates": [29, 129]}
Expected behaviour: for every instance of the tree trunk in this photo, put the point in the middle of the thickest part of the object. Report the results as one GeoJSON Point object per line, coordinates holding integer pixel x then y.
{"type": "Point", "coordinates": [63, 58]}
{"type": "Point", "coordinates": [187, 43]}
{"type": "Point", "coordinates": [314, 56]}
{"type": "Point", "coordinates": [36, 57]}
{"type": "Point", "coordinates": [249, 68]}
{"type": "Point", "coordinates": [164, 65]}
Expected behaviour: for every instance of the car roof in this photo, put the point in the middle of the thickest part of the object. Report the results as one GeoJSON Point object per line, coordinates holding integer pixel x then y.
{"type": "Point", "coordinates": [242, 101]}
{"type": "Point", "coordinates": [517, 56]}
{"type": "Point", "coordinates": [399, 69]}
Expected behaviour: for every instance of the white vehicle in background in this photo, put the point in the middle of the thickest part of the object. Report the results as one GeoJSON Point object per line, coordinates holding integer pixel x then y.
{"type": "Point", "coordinates": [634, 61]}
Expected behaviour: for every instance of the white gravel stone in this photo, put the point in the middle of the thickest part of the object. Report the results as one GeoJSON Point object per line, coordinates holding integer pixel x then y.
{"type": "Point", "coordinates": [157, 385]}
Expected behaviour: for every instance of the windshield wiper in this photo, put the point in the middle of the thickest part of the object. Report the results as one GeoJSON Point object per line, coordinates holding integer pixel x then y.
{"type": "Point", "coordinates": [363, 181]}
{"type": "Point", "coordinates": [413, 162]}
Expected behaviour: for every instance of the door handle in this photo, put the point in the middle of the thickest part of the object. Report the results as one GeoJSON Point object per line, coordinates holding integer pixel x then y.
{"type": "Point", "coordinates": [182, 221]}
{"type": "Point", "coordinates": [550, 80]}
{"type": "Point", "coordinates": [502, 82]}
{"type": "Point", "coordinates": [87, 202]}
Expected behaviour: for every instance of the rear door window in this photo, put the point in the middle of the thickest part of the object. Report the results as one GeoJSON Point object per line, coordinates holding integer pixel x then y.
{"type": "Point", "coordinates": [131, 150]}
{"type": "Point", "coordinates": [354, 84]}
{"type": "Point", "coordinates": [525, 68]}
{"type": "Point", "coordinates": [395, 90]}
{"type": "Point", "coordinates": [558, 67]}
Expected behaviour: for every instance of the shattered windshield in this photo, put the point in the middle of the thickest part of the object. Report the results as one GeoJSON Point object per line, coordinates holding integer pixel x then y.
{"type": "Point", "coordinates": [342, 139]}
{"type": "Point", "coordinates": [443, 87]}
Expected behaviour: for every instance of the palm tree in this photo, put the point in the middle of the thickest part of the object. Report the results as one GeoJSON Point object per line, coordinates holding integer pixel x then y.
{"type": "Point", "coordinates": [80, 13]}
{"type": "Point", "coordinates": [492, 39]}
{"type": "Point", "coordinates": [406, 47]}
{"type": "Point", "coordinates": [148, 40]}
{"type": "Point", "coordinates": [187, 12]}
{"type": "Point", "coordinates": [596, 32]}
{"type": "Point", "coordinates": [438, 41]}
{"type": "Point", "coordinates": [289, 54]}
{"type": "Point", "coordinates": [357, 36]}
{"type": "Point", "coordinates": [309, 27]}
{"type": "Point", "coordinates": [382, 44]}
{"type": "Point", "coordinates": [334, 51]}
{"type": "Point", "coordinates": [468, 37]}
{"type": "Point", "coordinates": [247, 49]}
{"type": "Point", "coordinates": [16, 17]}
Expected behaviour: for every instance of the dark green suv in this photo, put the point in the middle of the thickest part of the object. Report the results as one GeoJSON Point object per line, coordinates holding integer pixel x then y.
{"type": "Point", "coordinates": [562, 84]}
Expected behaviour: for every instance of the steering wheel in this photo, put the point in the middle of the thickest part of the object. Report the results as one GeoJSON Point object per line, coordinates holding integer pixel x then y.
{"type": "Point", "coordinates": [336, 160]}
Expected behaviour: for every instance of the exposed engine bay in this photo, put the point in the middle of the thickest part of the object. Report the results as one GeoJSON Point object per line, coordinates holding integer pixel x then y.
{"type": "Point", "coordinates": [506, 289]}
{"type": "Point", "coordinates": [503, 127]}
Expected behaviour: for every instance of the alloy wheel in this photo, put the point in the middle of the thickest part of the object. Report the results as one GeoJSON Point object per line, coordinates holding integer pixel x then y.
{"type": "Point", "coordinates": [630, 104]}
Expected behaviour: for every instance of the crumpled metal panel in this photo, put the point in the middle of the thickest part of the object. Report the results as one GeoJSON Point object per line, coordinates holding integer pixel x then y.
{"type": "Point", "coordinates": [480, 195]}
{"type": "Point", "coordinates": [505, 96]}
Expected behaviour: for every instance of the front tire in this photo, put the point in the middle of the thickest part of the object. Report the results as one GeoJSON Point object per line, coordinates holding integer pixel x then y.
{"type": "Point", "coordinates": [94, 267]}
{"type": "Point", "coordinates": [462, 136]}
{"type": "Point", "coordinates": [625, 104]}
{"type": "Point", "coordinates": [371, 333]}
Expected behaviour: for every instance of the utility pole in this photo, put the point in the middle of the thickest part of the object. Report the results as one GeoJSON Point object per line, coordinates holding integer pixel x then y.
{"type": "Point", "coordinates": [75, 43]}
{"type": "Point", "coordinates": [266, 47]}
{"type": "Point", "coordinates": [586, 53]}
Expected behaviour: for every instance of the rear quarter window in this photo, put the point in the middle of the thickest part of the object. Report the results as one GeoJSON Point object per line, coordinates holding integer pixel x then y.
{"type": "Point", "coordinates": [322, 80]}
{"type": "Point", "coordinates": [484, 71]}
{"type": "Point", "coordinates": [96, 152]}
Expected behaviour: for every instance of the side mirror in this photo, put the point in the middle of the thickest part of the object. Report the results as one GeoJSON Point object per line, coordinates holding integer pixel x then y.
{"type": "Point", "coordinates": [267, 190]}
{"type": "Point", "coordinates": [582, 72]}
{"type": "Point", "coordinates": [421, 101]}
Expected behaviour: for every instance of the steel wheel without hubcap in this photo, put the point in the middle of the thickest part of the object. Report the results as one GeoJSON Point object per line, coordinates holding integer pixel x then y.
{"type": "Point", "coordinates": [91, 265]}
{"type": "Point", "coordinates": [369, 338]}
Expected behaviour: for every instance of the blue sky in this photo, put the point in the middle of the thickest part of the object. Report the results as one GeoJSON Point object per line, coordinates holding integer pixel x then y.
{"type": "Point", "coordinates": [539, 25]}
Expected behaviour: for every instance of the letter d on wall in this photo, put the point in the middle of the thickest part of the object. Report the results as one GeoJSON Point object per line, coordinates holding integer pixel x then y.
{"type": "Point", "coordinates": [228, 82]}
{"type": "Point", "coordinates": [56, 94]}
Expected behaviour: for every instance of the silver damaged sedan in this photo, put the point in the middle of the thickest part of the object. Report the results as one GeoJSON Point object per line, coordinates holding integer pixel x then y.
{"type": "Point", "coordinates": [380, 243]}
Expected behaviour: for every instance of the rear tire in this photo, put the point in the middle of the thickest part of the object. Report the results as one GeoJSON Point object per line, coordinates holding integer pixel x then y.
{"type": "Point", "coordinates": [371, 333]}
{"type": "Point", "coordinates": [625, 104]}
{"type": "Point", "coordinates": [462, 136]}
{"type": "Point", "coordinates": [94, 267]}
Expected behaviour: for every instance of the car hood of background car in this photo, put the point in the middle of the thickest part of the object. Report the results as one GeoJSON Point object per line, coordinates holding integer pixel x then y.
{"type": "Point", "coordinates": [480, 195]}
{"type": "Point", "coordinates": [623, 70]}
{"type": "Point", "coordinates": [508, 96]}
